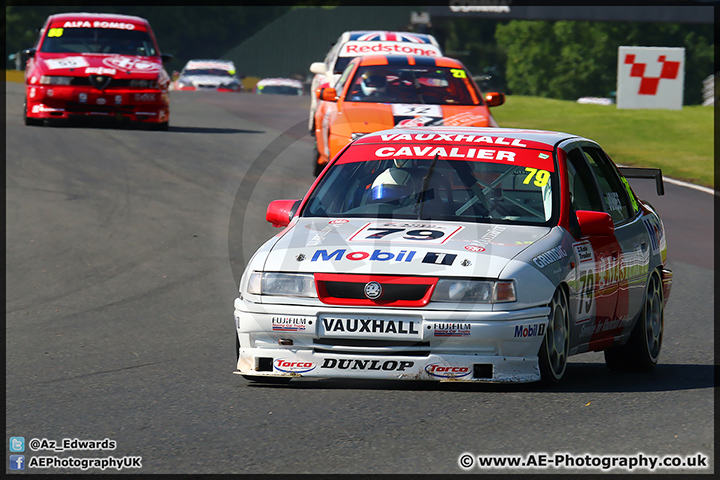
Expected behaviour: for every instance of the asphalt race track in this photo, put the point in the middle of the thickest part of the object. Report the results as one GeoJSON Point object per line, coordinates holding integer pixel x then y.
{"type": "Point", "coordinates": [124, 248]}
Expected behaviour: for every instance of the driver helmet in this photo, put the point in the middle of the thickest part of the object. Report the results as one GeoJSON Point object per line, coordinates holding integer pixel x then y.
{"type": "Point", "coordinates": [391, 185]}
{"type": "Point", "coordinates": [373, 81]}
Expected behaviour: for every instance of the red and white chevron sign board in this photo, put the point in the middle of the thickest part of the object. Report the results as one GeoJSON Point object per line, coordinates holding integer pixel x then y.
{"type": "Point", "coordinates": [650, 77]}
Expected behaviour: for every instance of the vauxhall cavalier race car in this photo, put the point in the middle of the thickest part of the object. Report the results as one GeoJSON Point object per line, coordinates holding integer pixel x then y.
{"type": "Point", "coordinates": [96, 65]}
{"type": "Point", "coordinates": [208, 74]}
{"type": "Point", "coordinates": [376, 92]}
{"type": "Point", "coordinates": [457, 254]}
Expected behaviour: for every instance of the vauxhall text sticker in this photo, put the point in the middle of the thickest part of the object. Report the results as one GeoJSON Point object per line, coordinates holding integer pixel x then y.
{"type": "Point", "coordinates": [425, 233]}
{"type": "Point", "coordinates": [406, 328]}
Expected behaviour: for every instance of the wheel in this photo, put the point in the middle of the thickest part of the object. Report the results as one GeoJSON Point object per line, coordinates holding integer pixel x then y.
{"type": "Point", "coordinates": [642, 351]}
{"type": "Point", "coordinates": [237, 348]}
{"type": "Point", "coordinates": [554, 350]}
{"type": "Point", "coordinates": [260, 379]}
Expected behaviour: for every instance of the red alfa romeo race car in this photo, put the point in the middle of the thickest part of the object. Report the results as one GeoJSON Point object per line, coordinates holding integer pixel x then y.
{"type": "Point", "coordinates": [457, 254]}
{"type": "Point", "coordinates": [94, 65]}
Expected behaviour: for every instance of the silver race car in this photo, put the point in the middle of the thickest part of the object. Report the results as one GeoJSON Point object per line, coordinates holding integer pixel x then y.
{"type": "Point", "coordinates": [457, 254]}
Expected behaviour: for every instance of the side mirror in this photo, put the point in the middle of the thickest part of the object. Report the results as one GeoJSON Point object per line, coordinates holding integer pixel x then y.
{"type": "Point", "coordinates": [494, 99]}
{"type": "Point", "coordinates": [595, 224]}
{"type": "Point", "coordinates": [319, 68]}
{"type": "Point", "coordinates": [280, 212]}
{"type": "Point", "coordinates": [166, 57]}
{"type": "Point", "coordinates": [327, 94]}
{"type": "Point", "coordinates": [30, 52]}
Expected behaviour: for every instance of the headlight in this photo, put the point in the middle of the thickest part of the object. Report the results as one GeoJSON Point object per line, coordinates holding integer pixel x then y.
{"type": "Point", "coordinates": [282, 284]}
{"type": "Point", "coordinates": [143, 83]}
{"type": "Point", "coordinates": [54, 80]}
{"type": "Point", "coordinates": [474, 291]}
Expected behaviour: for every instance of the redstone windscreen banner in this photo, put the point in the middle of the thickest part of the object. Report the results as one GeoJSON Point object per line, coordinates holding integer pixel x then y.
{"type": "Point", "coordinates": [650, 78]}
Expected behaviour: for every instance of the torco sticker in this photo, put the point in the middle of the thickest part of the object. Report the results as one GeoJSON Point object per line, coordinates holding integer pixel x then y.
{"type": "Point", "coordinates": [451, 329]}
{"type": "Point", "coordinates": [447, 371]}
{"type": "Point", "coordinates": [130, 63]}
{"type": "Point", "coordinates": [404, 232]}
{"type": "Point", "coordinates": [67, 62]}
{"type": "Point", "coordinates": [293, 367]}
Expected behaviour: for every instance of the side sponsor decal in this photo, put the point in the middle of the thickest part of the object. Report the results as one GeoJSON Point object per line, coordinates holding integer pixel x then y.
{"type": "Point", "coordinates": [585, 281]}
{"type": "Point", "coordinates": [287, 366]}
{"type": "Point", "coordinates": [527, 331]}
{"type": "Point", "coordinates": [289, 324]}
{"type": "Point", "coordinates": [405, 232]}
{"type": "Point", "coordinates": [67, 62]}
{"type": "Point", "coordinates": [551, 256]}
{"type": "Point", "coordinates": [447, 371]}
{"type": "Point", "coordinates": [655, 233]}
{"type": "Point", "coordinates": [451, 329]}
{"type": "Point", "coordinates": [480, 244]}
{"type": "Point", "coordinates": [354, 364]}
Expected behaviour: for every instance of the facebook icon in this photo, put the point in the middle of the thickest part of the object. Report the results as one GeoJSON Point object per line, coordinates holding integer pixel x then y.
{"type": "Point", "coordinates": [17, 462]}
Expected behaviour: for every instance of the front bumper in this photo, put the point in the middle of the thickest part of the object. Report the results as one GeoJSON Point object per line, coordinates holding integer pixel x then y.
{"type": "Point", "coordinates": [400, 344]}
{"type": "Point", "coordinates": [66, 102]}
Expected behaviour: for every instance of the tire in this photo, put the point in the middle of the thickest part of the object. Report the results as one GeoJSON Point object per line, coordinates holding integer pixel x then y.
{"type": "Point", "coordinates": [261, 379]}
{"type": "Point", "coordinates": [161, 127]}
{"type": "Point", "coordinates": [555, 347]}
{"type": "Point", "coordinates": [642, 351]}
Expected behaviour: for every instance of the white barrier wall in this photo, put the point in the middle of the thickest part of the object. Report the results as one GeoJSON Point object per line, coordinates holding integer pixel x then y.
{"type": "Point", "coordinates": [650, 77]}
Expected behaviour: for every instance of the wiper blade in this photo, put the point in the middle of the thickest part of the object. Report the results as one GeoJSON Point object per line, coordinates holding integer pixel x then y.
{"type": "Point", "coordinates": [425, 184]}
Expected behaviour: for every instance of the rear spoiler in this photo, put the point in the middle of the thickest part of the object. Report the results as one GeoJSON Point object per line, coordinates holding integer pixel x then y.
{"type": "Point", "coordinates": [643, 172]}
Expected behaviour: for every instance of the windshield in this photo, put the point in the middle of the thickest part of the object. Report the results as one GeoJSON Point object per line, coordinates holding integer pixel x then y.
{"type": "Point", "coordinates": [412, 84]}
{"type": "Point", "coordinates": [217, 72]}
{"type": "Point", "coordinates": [438, 189]}
{"type": "Point", "coordinates": [98, 40]}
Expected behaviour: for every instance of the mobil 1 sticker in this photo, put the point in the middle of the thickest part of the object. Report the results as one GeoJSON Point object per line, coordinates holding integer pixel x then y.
{"type": "Point", "coordinates": [585, 284]}
{"type": "Point", "coordinates": [410, 232]}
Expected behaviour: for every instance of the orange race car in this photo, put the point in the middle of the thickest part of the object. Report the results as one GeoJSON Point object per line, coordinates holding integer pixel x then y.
{"type": "Point", "coordinates": [377, 92]}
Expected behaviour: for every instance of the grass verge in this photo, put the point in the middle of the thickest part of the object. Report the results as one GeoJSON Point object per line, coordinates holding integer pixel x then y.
{"type": "Point", "coordinates": [680, 142]}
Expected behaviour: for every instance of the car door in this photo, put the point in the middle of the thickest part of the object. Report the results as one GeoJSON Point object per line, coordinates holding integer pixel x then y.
{"type": "Point", "coordinates": [594, 300]}
{"type": "Point", "coordinates": [629, 271]}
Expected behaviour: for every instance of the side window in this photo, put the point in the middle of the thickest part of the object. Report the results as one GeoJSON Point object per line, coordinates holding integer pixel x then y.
{"type": "Point", "coordinates": [343, 78]}
{"type": "Point", "coordinates": [584, 194]}
{"type": "Point", "coordinates": [612, 189]}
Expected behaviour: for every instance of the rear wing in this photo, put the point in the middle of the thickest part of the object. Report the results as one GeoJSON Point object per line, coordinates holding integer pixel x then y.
{"type": "Point", "coordinates": [643, 172]}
